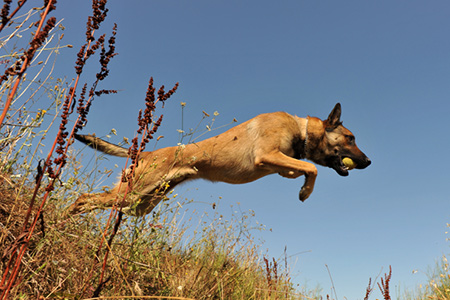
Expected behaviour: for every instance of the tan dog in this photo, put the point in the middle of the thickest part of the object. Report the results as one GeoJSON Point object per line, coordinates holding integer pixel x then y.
{"type": "Point", "coordinates": [267, 144]}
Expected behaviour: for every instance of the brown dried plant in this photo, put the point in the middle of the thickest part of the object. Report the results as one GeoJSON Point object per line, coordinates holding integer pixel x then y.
{"type": "Point", "coordinates": [368, 289]}
{"type": "Point", "coordinates": [5, 11]}
{"type": "Point", "coordinates": [147, 128]}
{"type": "Point", "coordinates": [21, 65]}
{"type": "Point", "coordinates": [51, 166]}
{"type": "Point", "coordinates": [384, 286]}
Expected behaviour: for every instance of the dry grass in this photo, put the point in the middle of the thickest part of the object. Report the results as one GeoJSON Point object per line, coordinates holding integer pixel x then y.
{"type": "Point", "coordinates": [155, 256]}
{"type": "Point", "coordinates": [438, 286]}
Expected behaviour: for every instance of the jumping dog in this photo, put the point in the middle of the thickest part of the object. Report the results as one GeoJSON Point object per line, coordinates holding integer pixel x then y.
{"type": "Point", "coordinates": [267, 144]}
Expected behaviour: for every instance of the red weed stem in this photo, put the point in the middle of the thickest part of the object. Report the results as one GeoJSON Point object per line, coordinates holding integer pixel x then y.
{"type": "Point", "coordinates": [133, 153]}
{"type": "Point", "coordinates": [5, 11]}
{"type": "Point", "coordinates": [368, 290]}
{"type": "Point", "coordinates": [37, 41]}
{"type": "Point", "coordinates": [60, 138]}
{"type": "Point", "coordinates": [34, 45]}
{"type": "Point", "coordinates": [384, 286]}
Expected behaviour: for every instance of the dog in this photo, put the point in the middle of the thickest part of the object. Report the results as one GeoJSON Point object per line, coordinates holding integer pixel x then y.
{"type": "Point", "coordinates": [267, 144]}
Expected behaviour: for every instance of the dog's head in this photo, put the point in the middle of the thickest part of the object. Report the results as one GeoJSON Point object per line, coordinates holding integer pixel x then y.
{"type": "Point", "coordinates": [337, 142]}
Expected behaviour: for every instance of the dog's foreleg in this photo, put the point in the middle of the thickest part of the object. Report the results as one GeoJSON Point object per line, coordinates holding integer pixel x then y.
{"type": "Point", "coordinates": [308, 186]}
{"type": "Point", "coordinates": [291, 174]}
{"type": "Point", "coordinates": [291, 168]}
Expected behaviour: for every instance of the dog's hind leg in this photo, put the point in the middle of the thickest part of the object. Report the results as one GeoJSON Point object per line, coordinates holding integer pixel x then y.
{"type": "Point", "coordinates": [140, 200]}
{"type": "Point", "coordinates": [149, 197]}
{"type": "Point", "coordinates": [90, 201]}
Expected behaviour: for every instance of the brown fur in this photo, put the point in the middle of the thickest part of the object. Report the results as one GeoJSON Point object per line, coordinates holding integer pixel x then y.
{"type": "Point", "coordinates": [267, 144]}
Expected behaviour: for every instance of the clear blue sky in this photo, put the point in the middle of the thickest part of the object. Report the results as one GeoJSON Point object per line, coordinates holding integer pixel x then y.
{"type": "Point", "coordinates": [387, 62]}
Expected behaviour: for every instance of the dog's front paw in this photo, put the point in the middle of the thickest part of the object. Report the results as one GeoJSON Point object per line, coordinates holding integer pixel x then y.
{"type": "Point", "coordinates": [305, 192]}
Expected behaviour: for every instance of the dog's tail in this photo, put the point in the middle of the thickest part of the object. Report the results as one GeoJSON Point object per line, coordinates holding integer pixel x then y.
{"type": "Point", "coordinates": [101, 145]}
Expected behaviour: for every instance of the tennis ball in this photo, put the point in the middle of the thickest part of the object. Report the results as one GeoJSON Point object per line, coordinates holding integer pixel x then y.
{"type": "Point", "coordinates": [349, 163]}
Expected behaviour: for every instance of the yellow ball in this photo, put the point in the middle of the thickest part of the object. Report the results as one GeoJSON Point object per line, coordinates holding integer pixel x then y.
{"type": "Point", "coordinates": [349, 163]}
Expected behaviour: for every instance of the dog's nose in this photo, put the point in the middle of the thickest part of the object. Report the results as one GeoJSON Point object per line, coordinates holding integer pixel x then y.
{"type": "Point", "coordinates": [363, 163]}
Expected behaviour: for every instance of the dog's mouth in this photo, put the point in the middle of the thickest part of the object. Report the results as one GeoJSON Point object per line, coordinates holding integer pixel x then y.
{"type": "Point", "coordinates": [338, 165]}
{"type": "Point", "coordinates": [342, 168]}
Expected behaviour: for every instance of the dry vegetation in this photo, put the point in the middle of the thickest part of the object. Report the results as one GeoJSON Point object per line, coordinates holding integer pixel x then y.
{"type": "Point", "coordinates": [66, 258]}
{"type": "Point", "coordinates": [45, 255]}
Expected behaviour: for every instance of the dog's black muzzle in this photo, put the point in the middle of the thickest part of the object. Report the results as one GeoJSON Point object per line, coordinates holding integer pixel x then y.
{"type": "Point", "coordinates": [363, 163]}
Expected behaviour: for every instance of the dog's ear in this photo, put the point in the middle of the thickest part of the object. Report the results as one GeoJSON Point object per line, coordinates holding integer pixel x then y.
{"type": "Point", "coordinates": [334, 119]}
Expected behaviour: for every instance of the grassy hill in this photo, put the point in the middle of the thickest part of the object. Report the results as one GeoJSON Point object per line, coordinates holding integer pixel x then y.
{"type": "Point", "coordinates": [46, 254]}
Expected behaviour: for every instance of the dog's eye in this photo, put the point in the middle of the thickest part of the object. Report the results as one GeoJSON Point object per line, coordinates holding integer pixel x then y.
{"type": "Point", "coordinates": [350, 139]}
